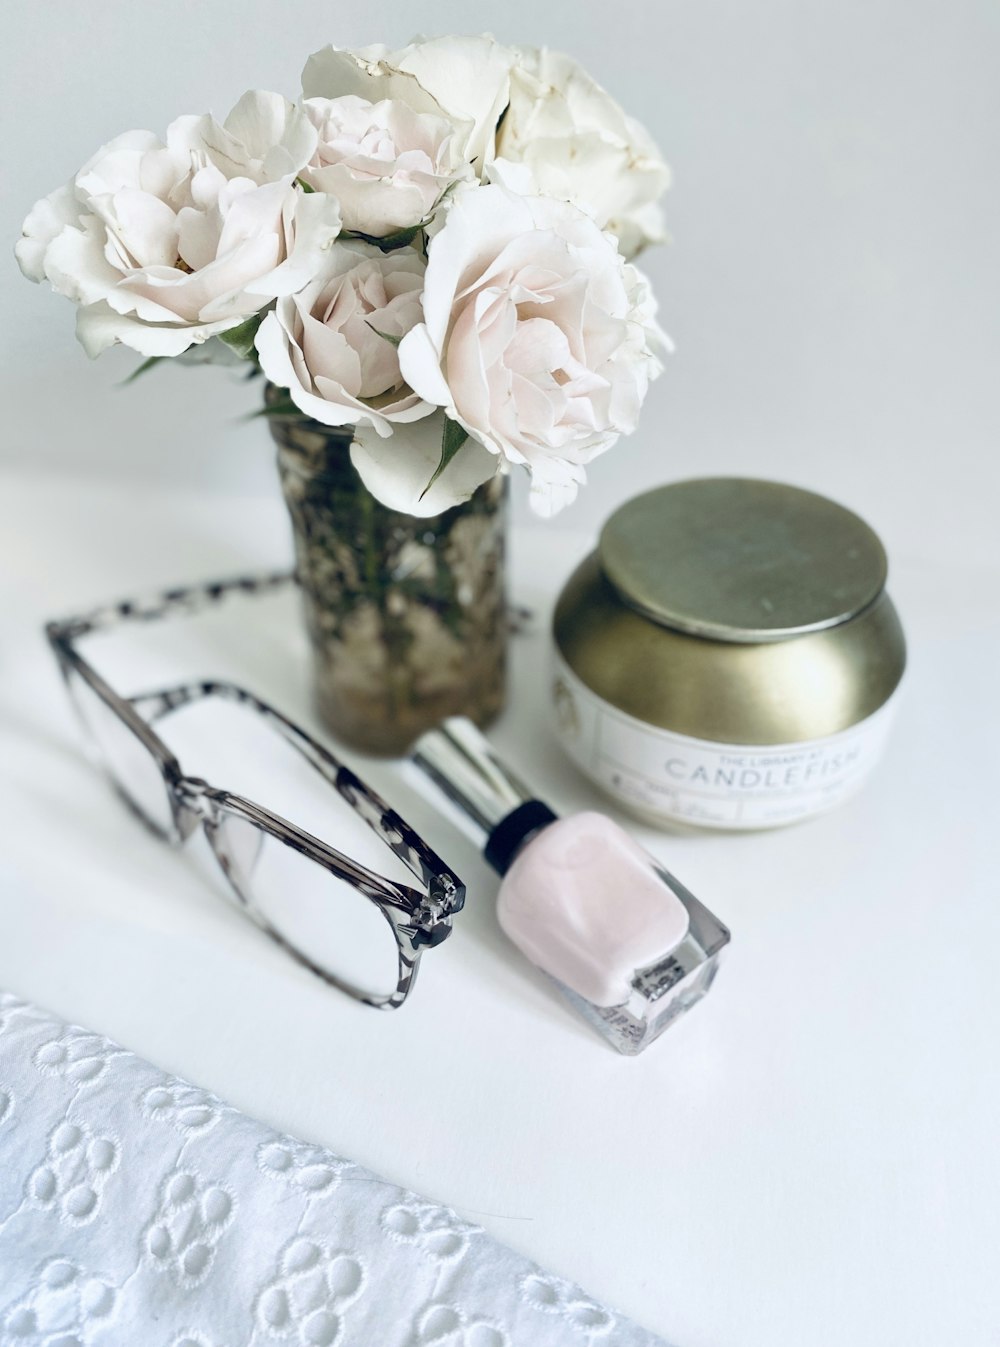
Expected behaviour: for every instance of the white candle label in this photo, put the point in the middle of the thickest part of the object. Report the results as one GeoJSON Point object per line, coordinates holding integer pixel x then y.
{"type": "Point", "coordinates": [709, 784]}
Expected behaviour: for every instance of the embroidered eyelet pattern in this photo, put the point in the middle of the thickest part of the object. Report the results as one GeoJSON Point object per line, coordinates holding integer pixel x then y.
{"type": "Point", "coordinates": [309, 1294]}
{"type": "Point", "coordinates": [79, 1057]}
{"type": "Point", "coordinates": [184, 1107]}
{"type": "Point", "coordinates": [435, 1231]}
{"type": "Point", "coordinates": [191, 1218]}
{"type": "Point", "coordinates": [162, 1217]}
{"type": "Point", "coordinates": [62, 1308]}
{"type": "Point", "coordinates": [552, 1295]}
{"type": "Point", "coordinates": [71, 1178]}
{"type": "Point", "coordinates": [310, 1169]}
{"type": "Point", "coordinates": [449, 1326]}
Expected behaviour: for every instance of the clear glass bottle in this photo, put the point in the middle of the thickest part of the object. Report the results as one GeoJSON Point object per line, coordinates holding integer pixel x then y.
{"type": "Point", "coordinates": [624, 941]}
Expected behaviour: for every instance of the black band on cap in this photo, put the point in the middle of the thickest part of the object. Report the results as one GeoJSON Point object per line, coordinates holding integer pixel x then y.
{"type": "Point", "coordinates": [507, 837]}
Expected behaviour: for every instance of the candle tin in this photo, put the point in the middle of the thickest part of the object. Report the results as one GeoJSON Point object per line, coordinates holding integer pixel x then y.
{"type": "Point", "coordinates": [728, 657]}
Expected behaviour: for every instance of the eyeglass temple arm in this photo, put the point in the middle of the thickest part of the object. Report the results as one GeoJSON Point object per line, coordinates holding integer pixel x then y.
{"type": "Point", "coordinates": [189, 599]}
{"type": "Point", "coordinates": [383, 821]}
{"type": "Point", "coordinates": [155, 705]}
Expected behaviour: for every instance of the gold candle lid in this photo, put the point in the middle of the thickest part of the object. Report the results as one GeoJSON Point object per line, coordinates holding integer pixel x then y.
{"type": "Point", "coordinates": [742, 560]}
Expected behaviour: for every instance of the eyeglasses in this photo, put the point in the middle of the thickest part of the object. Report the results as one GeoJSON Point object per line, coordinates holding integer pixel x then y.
{"type": "Point", "coordinates": [354, 927]}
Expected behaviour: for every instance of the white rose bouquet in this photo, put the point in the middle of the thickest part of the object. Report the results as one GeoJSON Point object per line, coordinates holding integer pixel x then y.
{"type": "Point", "coordinates": [431, 248]}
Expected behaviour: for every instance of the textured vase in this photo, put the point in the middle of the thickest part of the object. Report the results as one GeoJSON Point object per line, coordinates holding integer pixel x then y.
{"type": "Point", "coordinates": [407, 616]}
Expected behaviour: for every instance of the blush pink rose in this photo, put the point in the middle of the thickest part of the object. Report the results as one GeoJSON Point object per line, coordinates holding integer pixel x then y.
{"type": "Point", "coordinates": [538, 338]}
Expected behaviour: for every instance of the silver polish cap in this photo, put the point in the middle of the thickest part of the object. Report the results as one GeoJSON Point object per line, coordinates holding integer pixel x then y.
{"type": "Point", "coordinates": [464, 765]}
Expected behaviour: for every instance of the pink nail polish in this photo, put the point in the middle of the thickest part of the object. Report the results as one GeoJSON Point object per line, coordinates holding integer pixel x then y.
{"type": "Point", "coordinates": [625, 942]}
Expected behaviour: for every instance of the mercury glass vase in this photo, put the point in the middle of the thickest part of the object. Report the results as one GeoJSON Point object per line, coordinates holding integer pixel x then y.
{"type": "Point", "coordinates": [407, 616]}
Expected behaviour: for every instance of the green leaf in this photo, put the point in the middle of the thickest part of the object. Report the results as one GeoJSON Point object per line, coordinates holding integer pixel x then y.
{"type": "Point", "coordinates": [280, 407]}
{"type": "Point", "coordinates": [386, 336]}
{"type": "Point", "coordinates": [452, 439]}
{"type": "Point", "coordinates": [240, 338]}
{"type": "Point", "coordinates": [141, 369]}
{"type": "Point", "coordinates": [305, 186]}
{"type": "Point", "coordinates": [388, 242]}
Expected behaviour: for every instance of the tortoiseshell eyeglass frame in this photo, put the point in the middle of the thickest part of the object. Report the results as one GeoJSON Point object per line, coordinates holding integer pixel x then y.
{"type": "Point", "coordinates": [419, 916]}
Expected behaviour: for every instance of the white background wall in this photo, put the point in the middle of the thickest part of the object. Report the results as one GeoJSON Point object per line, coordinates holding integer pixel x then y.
{"type": "Point", "coordinates": [833, 284]}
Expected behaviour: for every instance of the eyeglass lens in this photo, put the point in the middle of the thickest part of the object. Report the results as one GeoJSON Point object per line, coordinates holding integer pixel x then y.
{"type": "Point", "coordinates": [326, 919]}
{"type": "Point", "coordinates": [123, 755]}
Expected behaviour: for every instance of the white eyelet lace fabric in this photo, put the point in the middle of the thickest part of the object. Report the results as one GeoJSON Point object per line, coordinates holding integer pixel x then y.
{"type": "Point", "coordinates": [137, 1210]}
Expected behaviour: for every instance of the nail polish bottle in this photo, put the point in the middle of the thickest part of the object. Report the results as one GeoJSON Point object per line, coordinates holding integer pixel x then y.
{"type": "Point", "coordinates": [628, 946]}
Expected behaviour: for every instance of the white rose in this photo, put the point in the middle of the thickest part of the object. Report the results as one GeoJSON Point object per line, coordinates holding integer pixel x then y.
{"type": "Point", "coordinates": [162, 251]}
{"type": "Point", "coordinates": [386, 164]}
{"type": "Point", "coordinates": [538, 338]}
{"type": "Point", "coordinates": [577, 144]}
{"type": "Point", "coordinates": [333, 345]}
{"type": "Point", "coordinates": [265, 138]}
{"type": "Point", "coordinates": [464, 78]}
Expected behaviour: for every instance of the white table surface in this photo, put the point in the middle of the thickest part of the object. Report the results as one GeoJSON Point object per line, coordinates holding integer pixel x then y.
{"type": "Point", "coordinates": [810, 1157]}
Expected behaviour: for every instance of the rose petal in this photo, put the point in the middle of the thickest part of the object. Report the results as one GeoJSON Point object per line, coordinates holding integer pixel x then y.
{"type": "Point", "coordinates": [397, 470]}
{"type": "Point", "coordinates": [98, 327]}
{"type": "Point", "coordinates": [420, 365]}
{"type": "Point", "coordinates": [46, 220]}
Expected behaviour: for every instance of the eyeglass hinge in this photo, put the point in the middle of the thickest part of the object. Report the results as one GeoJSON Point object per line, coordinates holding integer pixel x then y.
{"type": "Point", "coordinates": [195, 794]}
